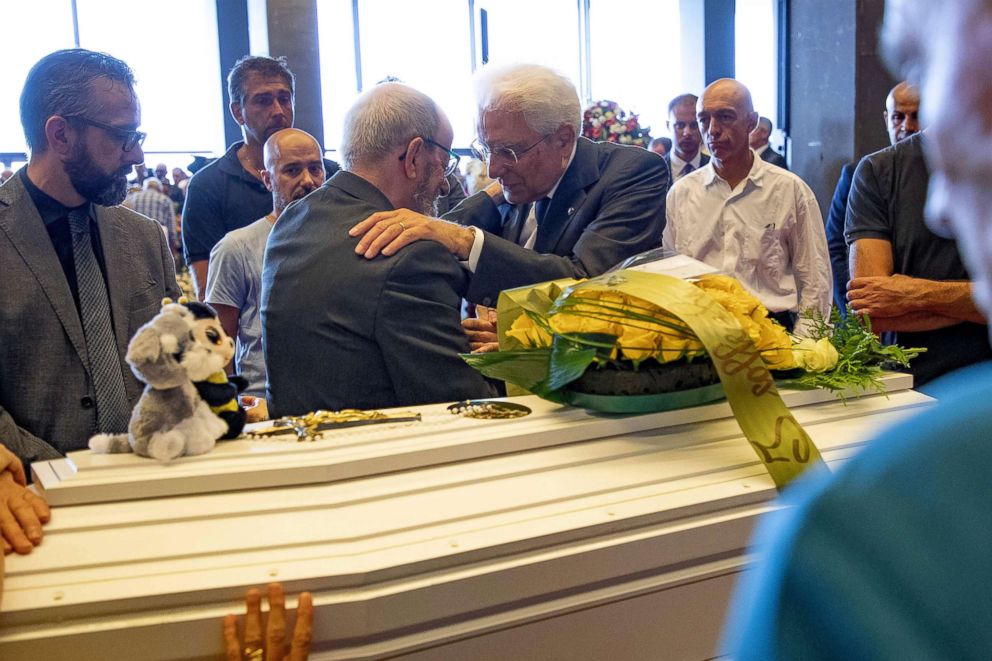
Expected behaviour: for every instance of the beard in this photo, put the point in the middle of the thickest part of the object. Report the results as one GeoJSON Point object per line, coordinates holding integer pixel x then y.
{"type": "Point", "coordinates": [425, 197]}
{"type": "Point", "coordinates": [280, 202]}
{"type": "Point", "coordinates": [108, 190]}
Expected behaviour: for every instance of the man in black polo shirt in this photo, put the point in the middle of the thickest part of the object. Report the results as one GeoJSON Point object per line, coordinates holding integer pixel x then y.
{"type": "Point", "coordinates": [228, 193]}
{"type": "Point", "coordinates": [908, 280]}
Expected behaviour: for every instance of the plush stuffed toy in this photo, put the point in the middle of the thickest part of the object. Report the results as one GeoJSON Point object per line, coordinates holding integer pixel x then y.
{"type": "Point", "coordinates": [188, 402]}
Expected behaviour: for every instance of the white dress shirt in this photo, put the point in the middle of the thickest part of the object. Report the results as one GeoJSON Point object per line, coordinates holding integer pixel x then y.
{"type": "Point", "coordinates": [767, 232]}
{"type": "Point", "coordinates": [678, 164]}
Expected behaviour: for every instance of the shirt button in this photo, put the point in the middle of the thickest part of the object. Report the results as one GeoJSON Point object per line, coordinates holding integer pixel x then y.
{"type": "Point", "coordinates": [87, 402]}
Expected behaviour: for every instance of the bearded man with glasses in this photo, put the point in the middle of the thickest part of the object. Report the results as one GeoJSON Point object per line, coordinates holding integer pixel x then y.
{"type": "Point", "coordinates": [80, 272]}
{"type": "Point", "coordinates": [561, 206]}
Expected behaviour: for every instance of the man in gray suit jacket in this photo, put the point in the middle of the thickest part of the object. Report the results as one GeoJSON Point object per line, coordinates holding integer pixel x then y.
{"type": "Point", "coordinates": [80, 274]}
{"type": "Point", "coordinates": [562, 206]}
{"type": "Point", "coordinates": [340, 331]}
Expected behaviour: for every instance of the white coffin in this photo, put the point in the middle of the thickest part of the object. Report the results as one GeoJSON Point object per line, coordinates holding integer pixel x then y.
{"type": "Point", "coordinates": [565, 535]}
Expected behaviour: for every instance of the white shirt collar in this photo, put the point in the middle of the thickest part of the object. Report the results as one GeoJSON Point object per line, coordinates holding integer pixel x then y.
{"type": "Point", "coordinates": [678, 163]}
{"type": "Point", "coordinates": [754, 175]}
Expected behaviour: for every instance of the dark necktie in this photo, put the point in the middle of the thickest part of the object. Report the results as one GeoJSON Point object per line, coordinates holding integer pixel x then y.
{"type": "Point", "coordinates": [112, 409]}
{"type": "Point", "coordinates": [687, 169]}
{"type": "Point", "coordinates": [541, 208]}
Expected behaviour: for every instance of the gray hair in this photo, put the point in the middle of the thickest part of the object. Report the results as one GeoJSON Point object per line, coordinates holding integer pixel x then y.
{"type": "Point", "coordinates": [153, 183]}
{"type": "Point", "coordinates": [546, 99]}
{"type": "Point", "coordinates": [383, 118]}
{"type": "Point", "coordinates": [60, 84]}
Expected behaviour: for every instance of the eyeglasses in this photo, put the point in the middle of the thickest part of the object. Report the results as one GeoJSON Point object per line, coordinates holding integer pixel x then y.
{"type": "Point", "coordinates": [130, 138]}
{"type": "Point", "coordinates": [453, 158]}
{"type": "Point", "coordinates": [484, 153]}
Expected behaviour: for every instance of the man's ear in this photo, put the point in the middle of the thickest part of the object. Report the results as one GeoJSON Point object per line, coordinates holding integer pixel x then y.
{"type": "Point", "coordinates": [236, 113]}
{"type": "Point", "coordinates": [752, 121]}
{"type": "Point", "coordinates": [565, 136]}
{"type": "Point", "coordinates": [267, 180]}
{"type": "Point", "coordinates": [415, 152]}
{"type": "Point", "coordinates": [57, 131]}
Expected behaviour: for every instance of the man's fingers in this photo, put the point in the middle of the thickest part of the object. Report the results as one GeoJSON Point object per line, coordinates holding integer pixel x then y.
{"type": "Point", "coordinates": [275, 628]}
{"type": "Point", "coordinates": [12, 532]}
{"type": "Point", "coordinates": [484, 347]}
{"type": "Point", "coordinates": [27, 518]}
{"type": "Point", "coordinates": [478, 325]}
{"type": "Point", "coordinates": [390, 239]}
{"type": "Point", "coordinates": [370, 222]}
{"type": "Point", "coordinates": [253, 619]}
{"type": "Point", "coordinates": [232, 647]}
{"type": "Point", "coordinates": [303, 631]}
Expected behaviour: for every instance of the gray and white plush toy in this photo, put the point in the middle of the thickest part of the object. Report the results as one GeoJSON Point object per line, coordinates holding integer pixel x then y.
{"type": "Point", "coordinates": [174, 351]}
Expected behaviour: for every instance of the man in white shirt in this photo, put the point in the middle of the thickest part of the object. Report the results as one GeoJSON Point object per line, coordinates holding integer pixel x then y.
{"type": "Point", "coordinates": [685, 155]}
{"type": "Point", "coordinates": [756, 222]}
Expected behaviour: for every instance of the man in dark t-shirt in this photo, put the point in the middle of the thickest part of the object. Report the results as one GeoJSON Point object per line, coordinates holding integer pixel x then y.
{"type": "Point", "coordinates": [907, 279]}
{"type": "Point", "coordinates": [228, 193]}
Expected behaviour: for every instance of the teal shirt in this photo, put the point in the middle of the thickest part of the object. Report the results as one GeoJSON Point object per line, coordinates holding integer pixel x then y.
{"type": "Point", "coordinates": [889, 557]}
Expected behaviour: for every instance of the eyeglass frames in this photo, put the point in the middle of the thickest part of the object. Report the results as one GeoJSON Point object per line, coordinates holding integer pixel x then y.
{"type": "Point", "coordinates": [511, 157]}
{"type": "Point", "coordinates": [130, 138]}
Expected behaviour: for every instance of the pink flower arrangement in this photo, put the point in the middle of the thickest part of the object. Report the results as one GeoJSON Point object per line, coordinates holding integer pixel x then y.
{"type": "Point", "coordinates": [605, 121]}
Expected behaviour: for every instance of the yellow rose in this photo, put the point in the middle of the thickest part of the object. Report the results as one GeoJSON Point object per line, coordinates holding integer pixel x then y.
{"type": "Point", "coordinates": [815, 355]}
{"type": "Point", "coordinates": [638, 344]}
{"type": "Point", "coordinates": [526, 332]}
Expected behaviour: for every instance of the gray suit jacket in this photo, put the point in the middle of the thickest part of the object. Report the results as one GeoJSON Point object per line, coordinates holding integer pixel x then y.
{"type": "Point", "coordinates": [46, 398]}
{"type": "Point", "coordinates": [340, 331]}
{"type": "Point", "coordinates": [610, 205]}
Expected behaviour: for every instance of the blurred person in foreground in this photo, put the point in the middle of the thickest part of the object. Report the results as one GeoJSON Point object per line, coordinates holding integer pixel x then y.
{"type": "Point", "coordinates": [888, 558]}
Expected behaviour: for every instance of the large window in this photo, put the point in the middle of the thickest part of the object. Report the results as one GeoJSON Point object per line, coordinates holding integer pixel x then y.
{"type": "Point", "coordinates": [173, 52]}
{"type": "Point", "coordinates": [757, 54]}
{"type": "Point", "coordinates": [175, 61]}
{"type": "Point", "coordinates": [426, 49]}
{"type": "Point", "coordinates": [31, 30]}
{"type": "Point", "coordinates": [640, 70]}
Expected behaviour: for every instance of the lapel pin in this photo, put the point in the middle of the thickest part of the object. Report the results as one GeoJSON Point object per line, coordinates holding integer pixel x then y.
{"type": "Point", "coordinates": [571, 210]}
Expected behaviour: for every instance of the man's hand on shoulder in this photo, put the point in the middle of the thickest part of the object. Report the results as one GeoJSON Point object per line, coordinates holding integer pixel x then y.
{"type": "Point", "coordinates": [386, 232]}
{"type": "Point", "coordinates": [21, 511]}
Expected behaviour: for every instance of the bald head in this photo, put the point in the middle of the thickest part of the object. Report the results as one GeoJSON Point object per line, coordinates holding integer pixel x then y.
{"type": "Point", "coordinates": [294, 166]}
{"type": "Point", "coordinates": [726, 117]}
{"type": "Point", "coordinates": [902, 112]}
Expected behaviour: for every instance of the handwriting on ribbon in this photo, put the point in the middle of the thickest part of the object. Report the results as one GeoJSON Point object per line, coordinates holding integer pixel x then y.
{"type": "Point", "coordinates": [788, 431]}
{"type": "Point", "coordinates": [738, 354]}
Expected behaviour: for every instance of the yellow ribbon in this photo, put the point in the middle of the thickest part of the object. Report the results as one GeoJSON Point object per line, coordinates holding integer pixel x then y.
{"type": "Point", "coordinates": [780, 442]}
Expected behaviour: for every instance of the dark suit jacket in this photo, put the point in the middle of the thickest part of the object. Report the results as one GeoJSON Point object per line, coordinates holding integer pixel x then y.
{"type": "Point", "coordinates": [703, 160]}
{"type": "Point", "coordinates": [610, 204]}
{"type": "Point", "coordinates": [340, 331]}
{"type": "Point", "coordinates": [836, 243]}
{"type": "Point", "coordinates": [46, 398]}
{"type": "Point", "coordinates": [773, 157]}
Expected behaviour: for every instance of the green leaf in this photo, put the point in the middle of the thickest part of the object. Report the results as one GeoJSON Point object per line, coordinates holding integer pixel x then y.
{"type": "Point", "coordinates": [525, 368]}
{"type": "Point", "coordinates": [571, 355]}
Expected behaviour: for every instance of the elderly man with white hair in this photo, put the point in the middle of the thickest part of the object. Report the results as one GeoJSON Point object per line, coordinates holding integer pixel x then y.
{"type": "Point", "coordinates": [561, 206]}
{"type": "Point", "coordinates": [340, 331]}
{"type": "Point", "coordinates": [888, 559]}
